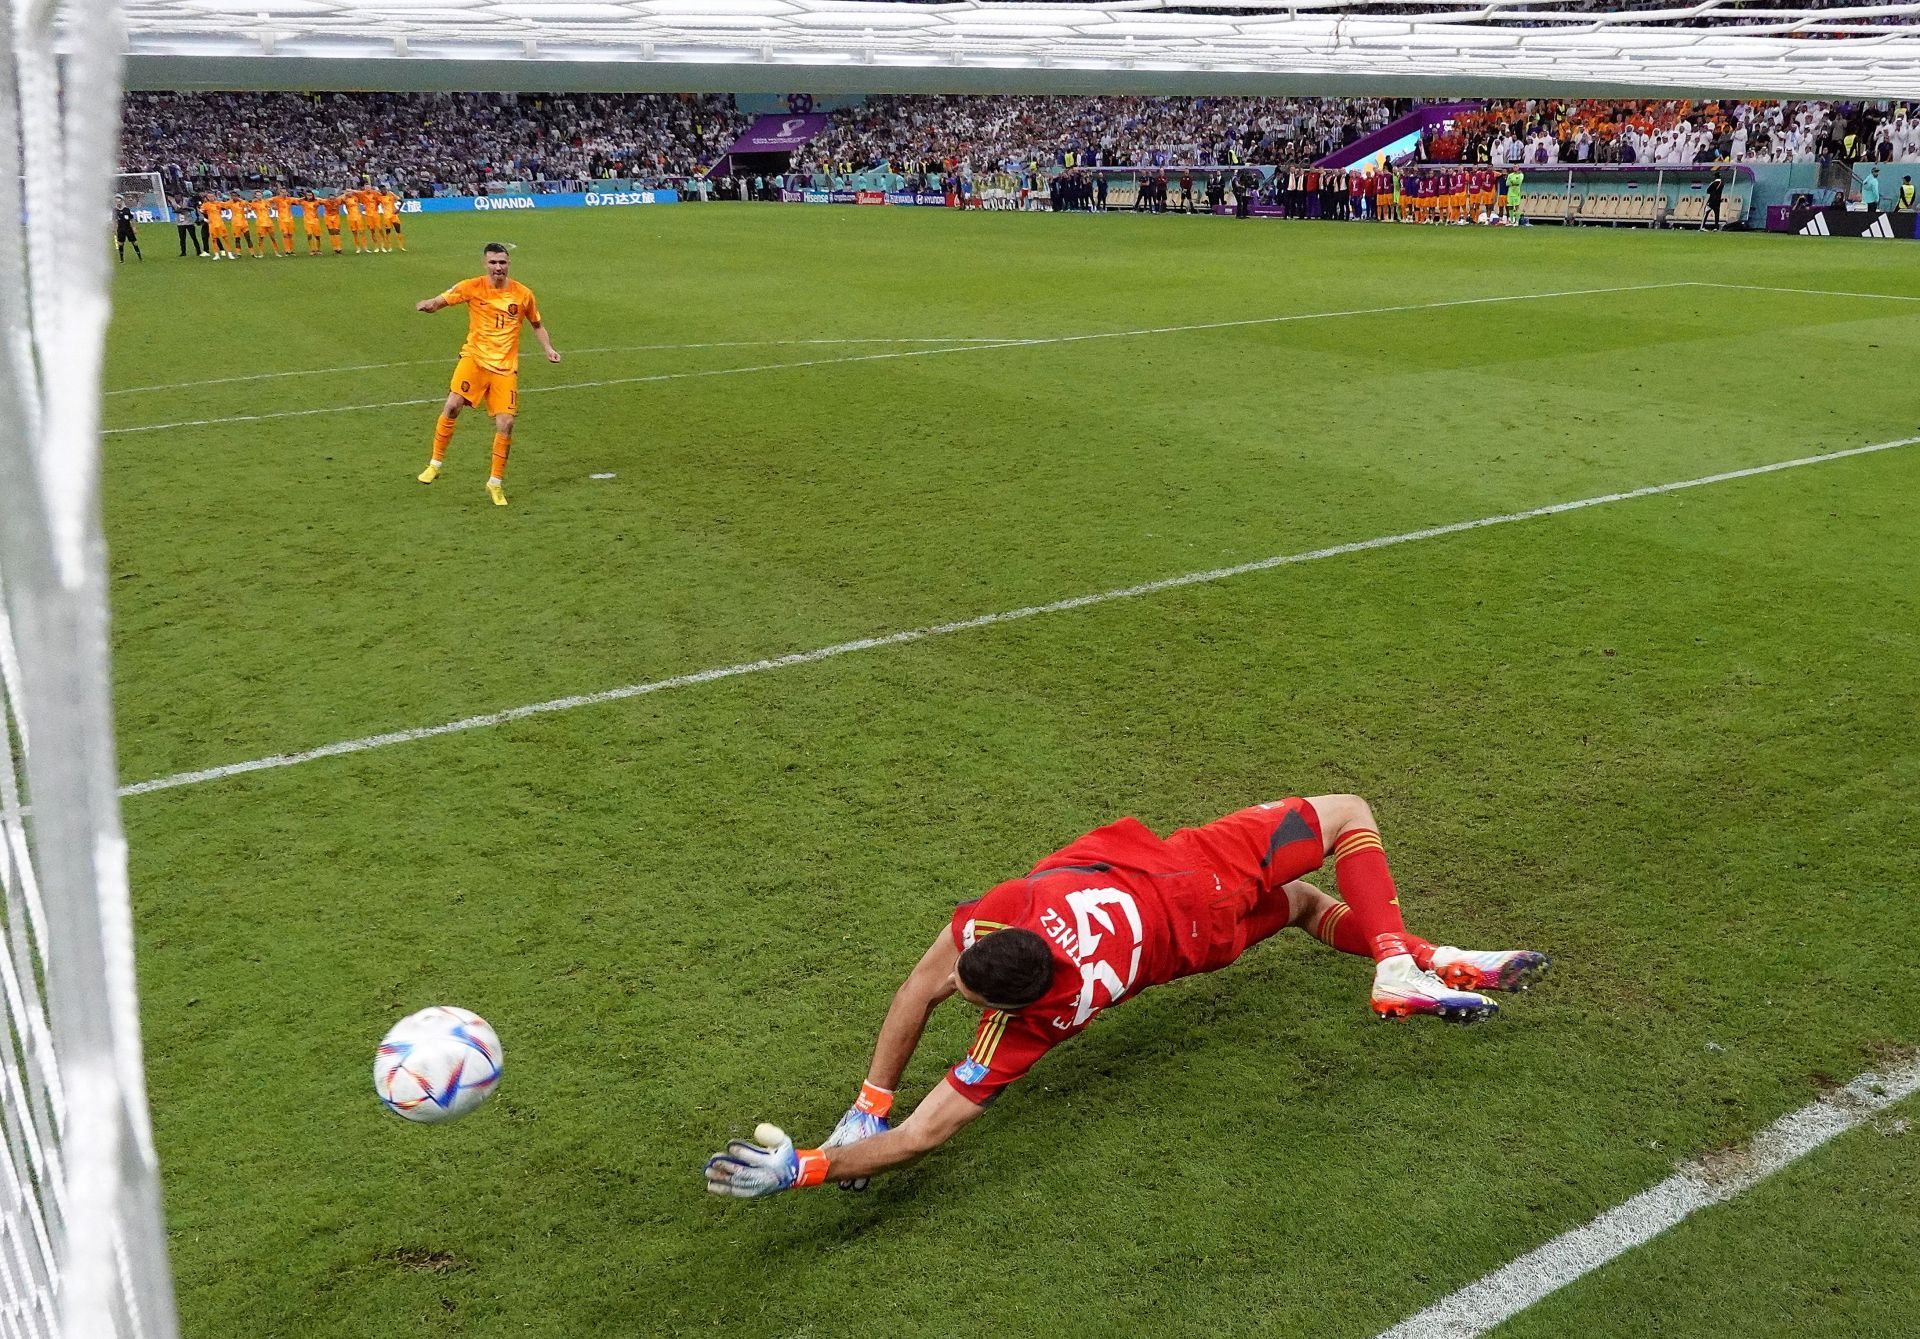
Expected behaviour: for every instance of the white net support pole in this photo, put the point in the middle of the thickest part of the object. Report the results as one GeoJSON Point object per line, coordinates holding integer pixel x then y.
{"type": "Point", "coordinates": [82, 1243]}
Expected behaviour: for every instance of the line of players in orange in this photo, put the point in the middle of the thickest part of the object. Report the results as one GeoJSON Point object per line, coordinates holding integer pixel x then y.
{"type": "Point", "coordinates": [1446, 195]}
{"type": "Point", "coordinates": [263, 225]}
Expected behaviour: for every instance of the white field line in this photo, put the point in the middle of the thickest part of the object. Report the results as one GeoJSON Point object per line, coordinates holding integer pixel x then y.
{"type": "Point", "coordinates": [789, 343]}
{"type": "Point", "coordinates": [966, 625]}
{"type": "Point", "coordinates": [1513, 1288]}
{"type": "Point", "coordinates": [571, 353]}
{"type": "Point", "coordinates": [917, 353]}
{"type": "Point", "coordinates": [1810, 292]}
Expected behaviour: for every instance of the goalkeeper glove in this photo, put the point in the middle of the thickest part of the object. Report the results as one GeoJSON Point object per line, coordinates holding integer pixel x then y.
{"type": "Point", "coordinates": [864, 1119]}
{"type": "Point", "coordinates": [749, 1171]}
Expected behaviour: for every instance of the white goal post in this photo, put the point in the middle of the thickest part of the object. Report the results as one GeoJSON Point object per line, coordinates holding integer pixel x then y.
{"type": "Point", "coordinates": [82, 1246]}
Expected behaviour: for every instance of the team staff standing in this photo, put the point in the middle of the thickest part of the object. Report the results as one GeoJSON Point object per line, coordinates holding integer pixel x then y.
{"type": "Point", "coordinates": [189, 224]}
{"type": "Point", "coordinates": [489, 367]}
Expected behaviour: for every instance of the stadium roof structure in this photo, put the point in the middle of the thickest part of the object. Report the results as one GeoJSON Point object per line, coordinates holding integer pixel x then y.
{"type": "Point", "coordinates": [1714, 48]}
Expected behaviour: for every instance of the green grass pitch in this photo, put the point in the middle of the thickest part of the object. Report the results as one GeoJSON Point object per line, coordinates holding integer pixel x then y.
{"type": "Point", "coordinates": [1672, 740]}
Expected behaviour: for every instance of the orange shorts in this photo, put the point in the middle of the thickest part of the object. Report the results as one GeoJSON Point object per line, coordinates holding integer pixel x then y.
{"type": "Point", "coordinates": [474, 383]}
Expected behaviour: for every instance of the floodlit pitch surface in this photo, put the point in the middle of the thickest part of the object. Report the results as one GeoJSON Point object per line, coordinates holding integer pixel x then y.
{"type": "Point", "coordinates": [1672, 740]}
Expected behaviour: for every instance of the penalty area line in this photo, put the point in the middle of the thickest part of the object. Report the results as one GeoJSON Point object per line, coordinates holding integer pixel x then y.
{"type": "Point", "coordinates": [976, 346]}
{"type": "Point", "coordinates": [1511, 1289]}
{"type": "Point", "coordinates": [621, 694]}
{"type": "Point", "coordinates": [571, 353]}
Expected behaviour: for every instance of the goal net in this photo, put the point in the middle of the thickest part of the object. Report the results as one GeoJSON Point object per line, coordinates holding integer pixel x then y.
{"type": "Point", "coordinates": [82, 1250]}
{"type": "Point", "coordinates": [145, 194]}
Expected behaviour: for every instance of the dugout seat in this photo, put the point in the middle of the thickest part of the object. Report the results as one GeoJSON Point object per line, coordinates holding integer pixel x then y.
{"type": "Point", "coordinates": [1544, 205]}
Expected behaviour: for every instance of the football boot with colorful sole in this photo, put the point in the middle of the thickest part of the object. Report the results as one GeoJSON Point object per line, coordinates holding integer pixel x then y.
{"type": "Point", "coordinates": [1402, 990]}
{"type": "Point", "coordinates": [1490, 969]}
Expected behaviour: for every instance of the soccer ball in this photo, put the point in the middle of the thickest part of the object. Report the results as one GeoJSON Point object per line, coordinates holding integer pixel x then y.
{"type": "Point", "coordinates": [437, 1065]}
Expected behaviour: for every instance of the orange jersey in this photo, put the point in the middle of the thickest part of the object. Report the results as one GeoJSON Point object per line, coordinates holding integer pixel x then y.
{"type": "Point", "coordinates": [310, 209]}
{"type": "Point", "coordinates": [353, 210]}
{"type": "Point", "coordinates": [210, 211]}
{"type": "Point", "coordinates": [284, 207]}
{"type": "Point", "coordinates": [493, 320]}
{"type": "Point", "coordinates": [392, 203]}
{"type": "Point", "coordinates": [262, 218]}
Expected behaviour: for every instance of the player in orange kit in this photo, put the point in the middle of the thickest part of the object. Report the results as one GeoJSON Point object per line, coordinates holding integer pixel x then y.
{"type": "Point", "coordinates": [330, 216]}
{"type": "Point", "coordinates": [382, 220]}
{"type": "Point", "coordinates": [393, 220]}
{"type": "Point", "coordinates": [260, 215]}
{"type": "Point", "coordinates": [283, 215]}
{"type": "Point", "coordinates": [356, 220]}
{"type": "Point", "coordinates": [310, 222]}
{"type": "Point", "coordinates": [216, 222]}
{"type": "Point", "coordinates": [489, 367]}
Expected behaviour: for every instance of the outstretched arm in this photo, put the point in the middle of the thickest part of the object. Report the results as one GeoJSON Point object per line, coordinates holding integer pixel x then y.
{"type": "Point", "coordinates": [937, 1119]}
{"type": "Point", "coordinates": [432, 304]}
{"type": "Point", "coordinates": [930, 982]}
{"type": "Point", "coordinates": [750, 1170]}
{"type": "Point", "coordinates": [862, 1143]}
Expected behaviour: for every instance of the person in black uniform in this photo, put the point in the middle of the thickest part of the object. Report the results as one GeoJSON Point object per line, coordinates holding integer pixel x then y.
{"type": "Point", "coordinates": [1186, 190]}
{"type": "Point", "coordinates": [123, 233]}
{"type": "Point", "coordinates": [1100, 191]}
{"type": "Point", "coordinates": [1714, 190]}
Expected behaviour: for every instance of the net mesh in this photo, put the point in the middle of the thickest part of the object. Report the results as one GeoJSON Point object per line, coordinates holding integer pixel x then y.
{"type": "Point", "coordinates": [82, 1252]}
{"type": "Point", "coordinates": [145, 194]}
{"type": "Point", "coordinates": [1476, 47]}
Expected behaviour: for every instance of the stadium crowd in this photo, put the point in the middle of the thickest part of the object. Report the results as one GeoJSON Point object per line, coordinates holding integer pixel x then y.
{"type": "Point", "coordinates": [422, 143]}
{"type": "Point", "coordinates": [1544, 131]}
{"type": "Point", "coordinates": [475, 144]}
{"type": "Point", "coordinates": [925, 134]}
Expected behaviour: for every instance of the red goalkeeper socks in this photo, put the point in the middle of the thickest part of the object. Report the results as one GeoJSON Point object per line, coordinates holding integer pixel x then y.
{"type": "Point", "coordinates": [1335, 928]}
{"type": "Point", "coordinates": [1360, 869]}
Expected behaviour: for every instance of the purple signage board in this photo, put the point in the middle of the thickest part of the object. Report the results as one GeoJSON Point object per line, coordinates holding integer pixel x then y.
{"type": "Point", "coordinates": [779, 134]}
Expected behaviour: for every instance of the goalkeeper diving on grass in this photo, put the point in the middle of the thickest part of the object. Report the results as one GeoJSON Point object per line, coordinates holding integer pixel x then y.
{"type": "Point", "coordinates": [1099, 921]}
